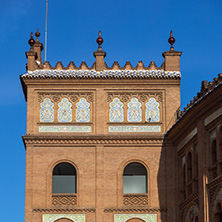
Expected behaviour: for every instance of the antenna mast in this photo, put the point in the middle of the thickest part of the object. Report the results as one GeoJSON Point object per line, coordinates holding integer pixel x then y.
{"type": "Point", "coordinates": [46, 18]}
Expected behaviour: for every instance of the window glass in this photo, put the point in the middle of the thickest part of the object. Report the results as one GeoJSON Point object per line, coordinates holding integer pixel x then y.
{"type": "Point", "coordinates": [64, 179]}
{"type": "Point", "coordinates": [135, 178]}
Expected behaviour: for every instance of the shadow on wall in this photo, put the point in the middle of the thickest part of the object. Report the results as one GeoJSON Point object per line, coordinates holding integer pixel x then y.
{"type": "Point", "coordinates": [166, 183]}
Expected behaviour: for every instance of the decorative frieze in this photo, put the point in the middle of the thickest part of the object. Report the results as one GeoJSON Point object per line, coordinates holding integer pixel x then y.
{"type": "Point", "coordinates": [134, 129]}
{"type": "Point", "coordinates": [72, 96]}
{"type": "Point", "coordinates": [64, 200]}
{"type": "Point", "coordinates": [141, 96]}
{"type": "Point", "coordinates": [93, 141]}
{"type": "Point", "coordinates": [65, 129]}
{"type": "Point", "coordinates": [135, 199]}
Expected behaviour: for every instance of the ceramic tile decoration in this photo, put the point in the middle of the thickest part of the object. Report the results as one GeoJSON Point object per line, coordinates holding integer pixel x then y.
{"type": "Point", "coordinates": [55, 217]}
{"type": "Point", "coordinates": [47, 111]}
{"type": "Point", "coordinates": [106, 74]}
{"type": "Point", "coordinates": [134, 112]}
{"type": "Point", "coordinates": [134, 129]}
{"type": "Point", "coordinates": [65, 111]}
{"type": "Point", "coordinates": [83, 111]}
{"type": "Point", "coordinates": [65, 129]}
{"type": "Point", "coordinates": [126, 217]}
{"type": "Point", "coordinates": [116, 111]}
{"type": "Point", "coordinates": [152, 111]}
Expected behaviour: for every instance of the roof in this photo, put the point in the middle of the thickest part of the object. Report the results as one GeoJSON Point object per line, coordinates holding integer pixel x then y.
{"type": "Point", "coordinates": [106, 74]}
{"type": "Point", "coordinates": [206, 89]}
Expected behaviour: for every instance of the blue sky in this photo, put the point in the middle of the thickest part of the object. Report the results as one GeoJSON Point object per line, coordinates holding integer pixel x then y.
{"type": "Point", "coordinates": [132, 30]}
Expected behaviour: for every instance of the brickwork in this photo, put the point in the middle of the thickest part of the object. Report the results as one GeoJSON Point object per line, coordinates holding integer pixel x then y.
{"type": "Point", "coordinates": [100, 119]}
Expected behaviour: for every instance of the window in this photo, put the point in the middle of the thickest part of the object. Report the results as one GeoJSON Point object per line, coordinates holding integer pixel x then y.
{"type": "Point", "coordinates": [214, 152]}
{"type": "Point", "coordinates": [196, 160]}
{"type": "Point", "coordinates": [183, 171]}
{"type": "Point", "coordinates": [64, 178]}
{"type": "Point", "coordinates": [189, 167]}
{"type": "Point", "coordinates": [135, 178]}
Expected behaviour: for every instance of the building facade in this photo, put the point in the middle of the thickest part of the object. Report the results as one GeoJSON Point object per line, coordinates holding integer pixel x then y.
{"type": "Point", "coordinates": [111, 144]}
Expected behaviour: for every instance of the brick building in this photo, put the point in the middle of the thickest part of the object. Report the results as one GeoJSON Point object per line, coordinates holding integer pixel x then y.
{"type": "Point", "coordinates": [108, 144]}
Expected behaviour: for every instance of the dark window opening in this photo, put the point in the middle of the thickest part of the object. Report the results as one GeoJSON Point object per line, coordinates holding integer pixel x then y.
{"type": "Point", "coordinates": [135, 178]}
{"type": "Point", "coordinates": [64, 178]}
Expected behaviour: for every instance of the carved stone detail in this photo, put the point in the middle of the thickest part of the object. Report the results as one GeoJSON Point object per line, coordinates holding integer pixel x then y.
{"type": "Point", "coordinates": [64, 200]}
{"type": "Point", "coordinates": [142, 96]}
{"type": "Point", "coordinates": [135, 199]}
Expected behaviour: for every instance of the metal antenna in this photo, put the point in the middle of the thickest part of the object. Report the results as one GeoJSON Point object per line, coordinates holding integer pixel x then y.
{"type": "Point", "coordinates": [46, 18]}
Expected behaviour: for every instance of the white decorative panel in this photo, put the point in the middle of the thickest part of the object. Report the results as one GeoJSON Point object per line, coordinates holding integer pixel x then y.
{"type": "Point", "coordinates": [134, 112]}
{"type": "Point", "coordinates": [83, 111]}
{"type": "Point", "coordinates": [47, 111]}
{"type": "Point", "coordinates": [133, 129]}
{"type": "Point", "coordinates": [54, 217]}
{"type": "Point", "coordinates": [125, 217]}
{"type": "Point", "coordinates": [65, 111]}
{"type": "Point", "coordinates": [65, 129]}
{"type": "Point", "coordinates": [152, 111]}
{"type": "Point", "coordinates": [116, 111]}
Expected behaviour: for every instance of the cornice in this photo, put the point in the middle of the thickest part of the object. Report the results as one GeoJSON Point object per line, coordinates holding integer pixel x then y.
{"type": "Point", "coordinates": [100, 139]}
{"type": "Point", "coordinates": [194, 112]}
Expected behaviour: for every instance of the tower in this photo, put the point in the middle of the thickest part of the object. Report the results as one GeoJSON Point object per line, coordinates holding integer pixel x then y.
{"type": "Point", "coordinates": [95, 147]}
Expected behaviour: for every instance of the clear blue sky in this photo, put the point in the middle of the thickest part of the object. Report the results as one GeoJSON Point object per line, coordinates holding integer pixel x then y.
{"type": "Point", "coordinates": [132, 30]}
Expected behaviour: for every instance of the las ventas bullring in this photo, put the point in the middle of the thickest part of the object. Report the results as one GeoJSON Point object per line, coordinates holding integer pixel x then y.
{"type": "Point", "coordinates": [111, 144]}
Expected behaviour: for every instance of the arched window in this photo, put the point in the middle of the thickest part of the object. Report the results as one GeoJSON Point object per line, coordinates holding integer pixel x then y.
{"type": "Point", "coordinates": [214, 152]}
{"type": "Point", "coordinates": [196, 160]}
{"type": "Point", "coordinates": [135, 178]}
{"type": "Point", "coordinates": [64, 178]}
{"type": "Point", "coordinates": [189, 167]}
{"type": "Point", "coordinates": [183, 171]}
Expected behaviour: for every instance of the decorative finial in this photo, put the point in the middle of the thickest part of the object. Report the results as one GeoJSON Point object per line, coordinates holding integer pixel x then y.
{"type": "Point", "coordinates": [31, 40]}
{"type": "Point", "coordinates": [37, 34]}
{"type": "Point", "coordinates": [99, 40]}
{"type": "Point", "coordinates": [171, 40]}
